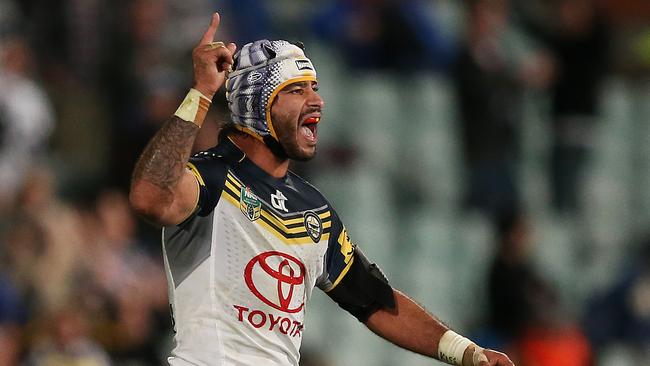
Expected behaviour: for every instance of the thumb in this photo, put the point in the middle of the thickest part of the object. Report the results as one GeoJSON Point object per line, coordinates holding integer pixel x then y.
{"type": "Point", "coordinates": [479, 358]}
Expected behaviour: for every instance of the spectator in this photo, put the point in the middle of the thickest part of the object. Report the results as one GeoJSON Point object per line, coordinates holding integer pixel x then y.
{"type": "Point", "coordinates": [26, 117]}
{"type": "Point", "coordinates": [68, 342]}
{"type": "Point", "coordinates": [55, 260]}
{"type": "Point", "coordinates": [132, 285]}
{"type": "Point", "coordinates": [490, 77]}
{"type": "Point", "coordinates": [515, 291]}
{"type": "Point", "coordinates": [141, 81]}
{"type": "Point", "coordinates": [578, 37]}
{"type": "Point", "coordinates": [524, 311]}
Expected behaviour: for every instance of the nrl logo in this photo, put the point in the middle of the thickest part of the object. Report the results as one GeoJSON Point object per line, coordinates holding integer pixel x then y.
{"type": "Point", "coordinates": [249, 204]}
{"type": "Point", "coordinates": [314, 226]}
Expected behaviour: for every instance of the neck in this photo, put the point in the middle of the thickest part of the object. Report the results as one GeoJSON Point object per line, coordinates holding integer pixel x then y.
{"type": "Point", "coordinates": [261, 155]}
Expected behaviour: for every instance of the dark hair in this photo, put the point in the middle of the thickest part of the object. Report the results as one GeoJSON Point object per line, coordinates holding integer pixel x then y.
{"type": "Point", "coordinates": [228, 129]}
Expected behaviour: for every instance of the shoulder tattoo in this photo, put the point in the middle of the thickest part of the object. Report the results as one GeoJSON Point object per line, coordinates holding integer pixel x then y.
{"type": "Point", "coordinates": [166, 154]}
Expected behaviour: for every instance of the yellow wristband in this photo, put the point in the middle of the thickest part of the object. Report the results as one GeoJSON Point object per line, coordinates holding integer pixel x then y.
{"type": "Point", "coordinates": [194, 107]}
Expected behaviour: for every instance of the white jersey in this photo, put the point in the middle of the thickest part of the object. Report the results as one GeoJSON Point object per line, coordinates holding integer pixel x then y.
{"type": "Point", "coordinates": [241, 269]}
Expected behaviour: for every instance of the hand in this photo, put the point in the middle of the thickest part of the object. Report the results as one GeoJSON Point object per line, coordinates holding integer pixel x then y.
{"type": "Point", "coordinates": [494, 358]}
{"type": "Point", "coordinates": [211, 61]}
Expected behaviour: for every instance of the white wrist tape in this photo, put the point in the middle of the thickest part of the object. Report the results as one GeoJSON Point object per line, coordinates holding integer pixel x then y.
{"type": "Point", "coordinates": [452, 346]}
{"type": "Point", "coordinates": [194, 107]}
{"type": "Point", "coordinates": [478, 356]}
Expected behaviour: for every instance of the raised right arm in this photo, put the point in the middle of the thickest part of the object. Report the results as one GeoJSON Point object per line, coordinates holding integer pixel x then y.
{"type": "Point", "coordinates": [162, 189]}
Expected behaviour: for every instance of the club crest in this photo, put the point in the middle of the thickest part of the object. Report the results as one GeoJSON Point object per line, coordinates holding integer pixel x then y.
{"type": "Point", "coordinates": [314, 226]}
{"type": "Point", "coordinates": [250, 205]}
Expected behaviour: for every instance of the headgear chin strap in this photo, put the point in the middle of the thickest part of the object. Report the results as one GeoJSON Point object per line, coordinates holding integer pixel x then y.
{"type": "Point", "coordinates": [261, 69]}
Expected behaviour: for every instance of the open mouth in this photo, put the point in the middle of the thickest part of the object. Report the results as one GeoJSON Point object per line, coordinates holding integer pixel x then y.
{"type": "Point", "coordinates": [309, 128]}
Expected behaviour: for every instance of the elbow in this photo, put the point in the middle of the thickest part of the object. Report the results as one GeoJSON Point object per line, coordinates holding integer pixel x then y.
{"type": "Point", "coordinates": [148, 201]}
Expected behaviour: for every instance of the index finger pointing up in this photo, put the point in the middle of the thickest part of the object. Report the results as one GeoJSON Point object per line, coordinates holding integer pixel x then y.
{"type": "Point", "coordinates": [208, 36]}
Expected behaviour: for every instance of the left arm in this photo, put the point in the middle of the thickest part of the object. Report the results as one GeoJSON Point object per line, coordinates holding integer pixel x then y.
{"type": "Point", "coordinates": [361, 288]}
{"type": "Point", "coordinates": [410, 326]}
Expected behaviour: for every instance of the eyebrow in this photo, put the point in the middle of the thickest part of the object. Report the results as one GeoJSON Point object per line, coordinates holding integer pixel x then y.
{"type": "Point", "coordinates": [300, 84]}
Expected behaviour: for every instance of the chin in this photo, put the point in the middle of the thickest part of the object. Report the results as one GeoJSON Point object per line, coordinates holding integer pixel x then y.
{"type": "Point", "coordinates": [297, 150]}
{"type": "Point", "coordinates": [303, 155]}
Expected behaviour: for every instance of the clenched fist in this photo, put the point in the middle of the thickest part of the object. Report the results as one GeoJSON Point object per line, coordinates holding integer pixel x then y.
{"type": "Point", "coordinates": [487, 357]}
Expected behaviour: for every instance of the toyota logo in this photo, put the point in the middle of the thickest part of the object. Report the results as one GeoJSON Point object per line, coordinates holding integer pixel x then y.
{"type": "Point", "coordinates": [278, 280]}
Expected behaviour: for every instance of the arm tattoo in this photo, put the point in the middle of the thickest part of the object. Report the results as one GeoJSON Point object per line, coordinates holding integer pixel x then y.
{"type": "Point", "coordinates": [164, 158]}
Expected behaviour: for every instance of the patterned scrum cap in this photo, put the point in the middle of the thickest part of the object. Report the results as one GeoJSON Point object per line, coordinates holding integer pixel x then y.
{"type": "Point", "coordinates": [261, 69]}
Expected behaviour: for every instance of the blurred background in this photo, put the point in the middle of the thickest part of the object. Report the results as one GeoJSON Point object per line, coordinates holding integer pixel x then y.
{"type": "Point", "coordinates": [492, 156]}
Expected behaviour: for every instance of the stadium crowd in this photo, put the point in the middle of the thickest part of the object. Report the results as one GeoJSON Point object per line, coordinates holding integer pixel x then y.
{"type": "Point", "coordinates": [85, 84]}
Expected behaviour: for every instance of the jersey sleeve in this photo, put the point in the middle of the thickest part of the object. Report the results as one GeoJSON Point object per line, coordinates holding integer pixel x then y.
{"type": "Point", "coordinates": [210, 172]}
{"type": "Point", "coordinates": [349, 279]}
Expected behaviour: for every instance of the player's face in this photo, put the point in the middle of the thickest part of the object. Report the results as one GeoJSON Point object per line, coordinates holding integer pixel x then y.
{"type": "Point", "coordinates": [295, 114]}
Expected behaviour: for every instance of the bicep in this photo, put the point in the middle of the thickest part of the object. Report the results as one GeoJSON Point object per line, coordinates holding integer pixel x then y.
{"type": "Point", "coordinates": [349, 279]}
{"type": "Point", "coordinates": [361, 288]}
{"type": "Point", "coordinates": [165, 206]}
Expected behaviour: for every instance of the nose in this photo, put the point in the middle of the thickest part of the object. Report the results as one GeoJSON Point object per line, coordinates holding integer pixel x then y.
{"type": "Point", "coordinates": [315, 100]}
